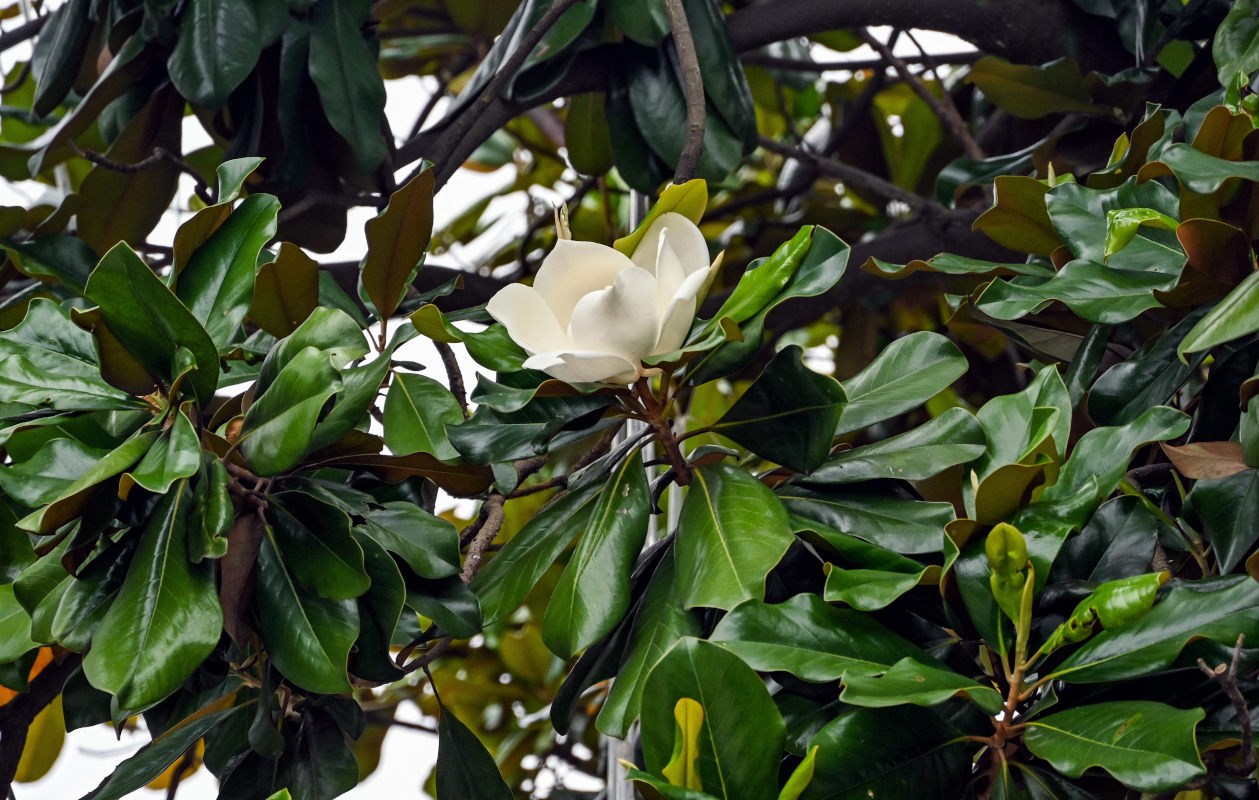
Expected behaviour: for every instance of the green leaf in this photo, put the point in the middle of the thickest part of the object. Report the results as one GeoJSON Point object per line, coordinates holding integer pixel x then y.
{"type": "Point", "coordinates": [1226, 509]}
{"type": "Point", "coordinates": [153, 759]}
{"type": "Point", "coordinates": [218, 47]}
{"type": "Point", "coordinates": [810, 639]}
{"type": "Point", "coordinates": [721, 71]}
{"type": "Point", "coordinates": [1018, 218]}
{"type": "Point", "coordinates": [949, 264]}
{"type": "Point", "coordinates": [44, 476]}
{"type": "Point", "coordinates": [893, 523]}
{"type": "Point", "coordinates": [60, 49]}
{"type": "Point", "coordinates": [427, 543]}
{"type": "Point", "coordinates": [231, 177]}
{"type": "Point", "coordinates": [396, 241]}
{"type": "Point", "coordinates": [645, 22]}
{"type": "Point", "coordinates": [286, 291]}
{"type": "Point", "coordinates": [322, 764]}
{"type": "Point", "coordinates": [217, 283]}
{"type": "Point", "coordinates": [214, 513]}
{"type": "Point", "coordinates": [15, 626]}
{"type": "Point", "coordinates": [315, 540]}
{"type": "Point", "coordinates": [911, 681]}
{"type": "Point", "coordinates": [1112, 605]}
{"type": "Point", "coordinates": [877, 576]}
{"type": "Point", "coordinates": [465, 769]}
{"type": "Point", "coordinates": [1102, 453]}
{"type": "Point", "coordinates": [503, 583]}
{"type": "Point", "coordinates": [765, 278]}
{"type": "Point", "coordinates": [926, 758]}
{"type": "Point", "coordinates": [801, 776]}
{"type": "Point", "coordinates": [379, 611]}
{"type": "Point", "coordinates": [1216, 608]}
{"type": "Point", "coordinates": [593, 593]}
{"type": "Point", "coordinates": [328, 329]}
{"type": "Point", "coordinates": [166, 618]}
{"type": "Point", "coordinates": [1080, 216]}
{"type": "Point", "coordinates": [909, 371]}
{"type": "Point", "coordinates": [788, 414]}
{"type": "Point", "coordinates": [449, 603]}
{"type": "Point", "coordinates": [586, 134]}
{"type": "Point", "coordinates": [1030, 92]}
{"type": "Point", "coordinates": [1235, 47]}
{"type": "Point", "coordinates": [739, 743]}
{"type": "Point", "coordinates": [69, 503]}
{"type": "Point", "coordinates": [24, 382]}
{"type": "Point", "coordinates": [1122, 225]}
{"type": "Point", "coordinates": [48, 340]}
{"type": "Point", "coordinates": [417, 411]}
{"type": "Point", "coordinates": [307, 636]}
{"type": "Point", "coordinates": [1235, 316]}
{"type": "Point", "coordinates": [661, 621]}
{"type": "Point", "coordinates": [736, 532]}
{"type": "Point", "coordinates": [278, 428]}
{"type": "Point", "coordinates": [176, 454]}
{"type": "Point", "coordinates": [1150, 376]}
{"type": "Point", "coordinates": [1094, 291]}
{"type": "Point", "coordinates": [954, 437]}
{"type": "Point", "coordinates": [150, 321]}
{"type": "Point", "coordinates": [1201, 172]}
{"type": "Point", "coordinates": [1147, 746]}
{"type": "Point", "coordinates": [344, 71]}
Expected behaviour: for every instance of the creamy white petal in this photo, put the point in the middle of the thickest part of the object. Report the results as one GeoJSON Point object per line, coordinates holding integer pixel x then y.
{"type": "Point", "coordinates": [684, 237]}
{"type": "Point", "coordinates": [681, 312]}
{"type": "Point", "coordinates": [669, 270]}
{"type": "Point", "coordinates": [528, 318]}
{"type": "Point", "coordinates": [623, 320]}
{"type": "Point", "coordinates": [584, 367]}
{"type": "Point", "coordinates": [574, 269]}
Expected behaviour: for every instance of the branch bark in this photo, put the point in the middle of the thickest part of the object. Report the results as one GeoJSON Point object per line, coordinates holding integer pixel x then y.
{"type": "Point", "coordinates": [692, 88]}
{"type": "Point", "coordinates": [16, 716]}
{"type": "Point", "coordinates": [857, 178]}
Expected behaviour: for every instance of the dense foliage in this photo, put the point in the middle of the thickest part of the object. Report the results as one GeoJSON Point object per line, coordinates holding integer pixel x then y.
{"type": "Point", "coordinates": [1006, 548]}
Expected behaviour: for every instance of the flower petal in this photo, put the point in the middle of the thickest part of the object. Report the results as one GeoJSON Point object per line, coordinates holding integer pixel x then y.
{"type": "Point", "coordinates": [684, 239]}
{"type": "Point", "coordinates": [528, 318]}
{"type": "Point", "coordinates": [574, 269]}
{"type": "Point", "coordinates": [681, 312]}
{"type": "Point", "coordinates": [584, 367]}
{"type": "Point", "coordinates": [623, 320]}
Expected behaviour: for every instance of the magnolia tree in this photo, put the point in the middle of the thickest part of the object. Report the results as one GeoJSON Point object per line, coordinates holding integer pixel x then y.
{"type": "Point", "coordinates": [967, 509]}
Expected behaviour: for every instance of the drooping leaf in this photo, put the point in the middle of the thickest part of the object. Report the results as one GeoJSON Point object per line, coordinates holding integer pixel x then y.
{"type": "Point", "coordinates": [166, 618]}
{"type": "Point", "coordinates": [218, 47]}
{"type": "Point", "coordinates": [343, 69]}
{"type": "Point", "coordinates": [911, 681]}
{"type": "Point", "coordinates": [1031, 92]}
{"type": "Point", "coordinates": [428, 544]}
{"type": "Point", "coordinates": [465, 769]}
{"type": "Point", "coordinates": [1146, 745]}
{"type": "Point", "coordinates": [315, 540]}
{"type": "Point", "coordinates": [396, 241]}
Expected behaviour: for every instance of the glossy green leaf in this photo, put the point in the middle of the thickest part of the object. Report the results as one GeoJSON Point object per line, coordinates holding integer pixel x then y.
{"type": "Point", "coordinates": [15, 626]}
{"type": "Point", "coordinates": [417, 411]}
{"type": "Point", "coordinates": [150, 321]}
{"type": "Point", "coordinates": [1150, 376]}
{"type": "Point", "coordinates": [1147, 746]}
{"type": "Point", "coordinates": [343, 69]}
{"type": "Point", "coordinates": [379, 611]}
{"type": "Point", "coordinates": [593, 592]}
{"type": "Point", "coordinates": [1235, 316]}
{"type": "Point", "coordinates": [1201, 172]}
{"type": "Point", "coordinates": [449, 603]}
{"type": "Point", "coordinates": [286, 291]}
{"type": "Point", "coordinates": [1235, 47]}
{"type": "Point", "coordinates": [1095, 292]}
{"type": "Point", "coordinates": [1102, 453]}
{"type": "Point", "coordinates": [396, 241]}
{"type": "Point", "coordinates": [810, 639]}
{"type": "Point", "coordinates": [465, 769]}
{"type": "Point", "coordinates": [217, 283]}
{"type": "Point", "coordinates": [954, 437]}
{"type": "Point", "coordinates": [736, 532]}
{"type": "Point", "coordinates": [909, 371]}
{"type": "Point", "coordinates": [322, 764]}
{"type": "Point", "coordinates": [1017, 425]}
{"type": "Point", "coordinates": [739, 744]}
{"type": "Point", "coordinates": [926, 758]}
{"type": "Point", "coordinates": [1111, 605]}
{"type": "Point", "coordinates": [893, 523]}
{"type": "Point", "coordinates": [24, 382]}
{"type": "Point", "coordinates": [278, 428]}
{"type": "Point", "coordinates": [427, 543]}
{"type": "Point", "coordinates": [1226, 509]}
{"type": "Point", "coordinates": [721, 71]}
{"type": "Point", "coordinates": [1217, 609]}
{"type": "Point", "coordinates": [586, 134]}
{"type": "Point", "coordinates": [213, 514]}
{"type": "Point", "coordinates": [231, 177]}
{"type": "Point", "coordinates": [1080, 217]}
{"type": "Point", "coordinates": [661, 621]}
{"type": "Point", "coordinates": [166, 618]}
{"type": "Point", "coordinates": [218, 47]}
{"type": "Point", "coordinates": [315, 540]}
{"type": "Point", "coordinates": [1031, 92]}
{"type": "Point", "coordinates": [48, 340]}
{"type": "Point", "coordinates": [949, 264]}
{"type": "Point", "coordinates": [44, 476]}
{"type": "Point", "coordinates": [61, 47]}
{"type": "Point", "coordinates": [800, 777]}
{"type": "Point", "coordinates": [911, 681]}
{"type": "Point", "coordinates": [307, 636]}
{"type": "Point", "coordinates": [764, 279]}
{"type": "Point", "coordinates": [644, 22]}
{"type": "Point", "coordinates": [788, 414]}
{"type": "Point", "coordinates": [1118, 542]}
{"type": "Point", "coordinates": [328, 329]}
{"type": "Point", "coordinates": [503, 583]}
{"type": "Point", "coordinates": [70, 502]}
{"type": "Point", "coordinates": [176, 454]}
{"type": "Point", "coordinates": [1018, 219]}
{"type": "Point", "coordinates": [1122, 225]}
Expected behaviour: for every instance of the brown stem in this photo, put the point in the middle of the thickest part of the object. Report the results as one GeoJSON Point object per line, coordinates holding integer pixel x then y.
{"type": "Point", "coordinates": [692, 88]}
{"type": "Point", "coordinates": [158, 155]}
{"type": "Point", "coordinates": [454, 376]}
{"type": "Point", "coordinates": [664, 431]}
{"type": "Point", "coordinates": [852, 176]}
{"type": "Point", "coordinates": [941, 107]}
{"type": "Point", "coordinates": [428, 657]}
{"type": "Point", "coordinates": [491, 523]}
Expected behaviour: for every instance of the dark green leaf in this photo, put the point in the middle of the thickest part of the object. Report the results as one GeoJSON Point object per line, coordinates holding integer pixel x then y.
{"type": "Point", "coordinates": [1227, 509]}
{"type": "Point", "coordinates": [217, 49]}
{"type": "Point", "coordinates": [70, 502]}
{"type": "Point", "coordinates": [379, 611]}
{"type": "Point", "coordinates": [909, 371]}
{"type": "Point", "coordinates": [166, 618]}
{"type": "Point", "coordinates": [279, 427]}
{"type": "Point", "coordinates": [343, 69]}
{"type": "Point", "coordinates": [315, 540]}
{"type": "Point", "coordinates": [1150, 376]}
{"type": "Point", "coordinates": [61, 47]}
{"type": "Point", "coordinates": [43, 477]}
{"type": "Point", "coordinates": [893, 523]}
{"type": "Point", "coordinates": [449, 603]}
{"type": "Point", "coordinates": [1235, 316]}
{"type": "Point", "coordinates": [417, 411]}
{"type": "Point", "coordinates": [911, 681]}
{"type": "Point", "coordinates": [15, 626]}
{"type": "Point", "coordinates": [396, 241]}
{"type": "Point", "coordinates": [465, 769]}
{"type": "Point", "coordinates": [1031, 92]}
{"type": "Point", "coordinates": [428, 544]}
{"type": "Point", "coordinates": [586, 134]}
{"type": "Point", "coordinates": [176, 454]}
{"type": "Point", "coordinates": [954, 437]}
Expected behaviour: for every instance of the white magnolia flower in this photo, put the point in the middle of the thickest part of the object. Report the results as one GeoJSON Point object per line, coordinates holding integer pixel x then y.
{"type": "Point", "coordinates": [593, 315]}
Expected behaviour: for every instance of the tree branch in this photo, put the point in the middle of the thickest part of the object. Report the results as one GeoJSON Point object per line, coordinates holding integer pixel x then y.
{"type": "Point", "coordinates": [158, 155]}
{"type": "Point", "coordinates": [857, 178]}
{"type": "Point", "coordinates": [761, 59]}
{"type": "Point", "coordinates": [16, 715]}
{"type": "Point", "coordinates": [942, 107]}
{"type": "Point", "coordinates": [692, 88]}
{"type": "Point", "coordinates": [22, 32]}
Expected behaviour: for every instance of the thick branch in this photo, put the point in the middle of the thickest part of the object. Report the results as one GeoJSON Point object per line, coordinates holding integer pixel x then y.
{"type": "Point", "coordinates": [853, 65]}
{"type": "Point", "coordinates": [16, 716]}
{"type": "Point", "coordinates": [22, 32]}
{"type": "Point", "coordinates": [857, 178]}
{"type": "Point", "coordinates": [692, 88]}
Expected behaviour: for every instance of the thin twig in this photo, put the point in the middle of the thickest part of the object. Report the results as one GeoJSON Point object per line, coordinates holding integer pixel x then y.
{"type": "Point", "coordinates": [1226, 677]}
{"type": "Point", "coordinates": [454, 376]}
{"type": "Point", "coordinates": [692, 88]}
{"type": "Point", "coordinates": [22, 32]}
{"type": "Point", "coordinates": [855, 65]}
{"type": "Point", "coordinates": [849, 175]}
{"type": "Point", "coordinates": [426, 658]}
{"type": "Point", "coordinates": [18, 80]}
{"type": "Point", "coordinates": [941, 107]}
{"type": "Point", "coordinates": [459, 128]}
{"type": "Point", "coordinates": [159, 155]}
{"type": "Point", "coordinates": [178, 776]}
